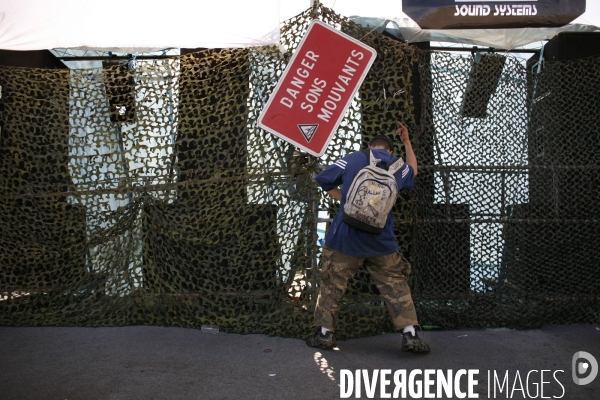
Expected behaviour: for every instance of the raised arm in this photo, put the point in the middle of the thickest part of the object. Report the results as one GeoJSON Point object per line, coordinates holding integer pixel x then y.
{"type": "Point", "coordinates": [411, 159]}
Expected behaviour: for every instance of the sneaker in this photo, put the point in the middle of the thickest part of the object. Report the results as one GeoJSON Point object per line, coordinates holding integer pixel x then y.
{"type": "Point", "coordinates": [326, 341]}
{"type": "Point", "coordinates": [414, 343]}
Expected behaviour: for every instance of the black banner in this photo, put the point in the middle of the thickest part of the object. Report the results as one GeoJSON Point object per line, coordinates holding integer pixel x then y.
{"type": "Point", "coordinates": [491, 14]}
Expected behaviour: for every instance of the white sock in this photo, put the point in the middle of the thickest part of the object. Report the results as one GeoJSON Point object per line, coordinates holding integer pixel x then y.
{"type": "Point", "coordinates": [324, 331]}
{"type": "Point", "coordinates": [409, 328]}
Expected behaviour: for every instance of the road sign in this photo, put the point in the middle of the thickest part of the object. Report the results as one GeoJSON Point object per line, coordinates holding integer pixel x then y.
{"type": "Point", "coordinates": [316, 88]}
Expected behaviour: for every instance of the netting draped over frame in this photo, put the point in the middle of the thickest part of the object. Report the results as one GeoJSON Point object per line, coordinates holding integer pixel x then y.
{"type": "Point", "coordinates": [145, 193]}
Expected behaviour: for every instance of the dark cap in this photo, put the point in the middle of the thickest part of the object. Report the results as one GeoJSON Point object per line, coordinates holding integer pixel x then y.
{"type": "Point", "coordinates": [385, 138]}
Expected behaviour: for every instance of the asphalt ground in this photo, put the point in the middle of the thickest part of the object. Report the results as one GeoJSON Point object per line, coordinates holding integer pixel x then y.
{"type": "Point", "coordinates": [145, 362]}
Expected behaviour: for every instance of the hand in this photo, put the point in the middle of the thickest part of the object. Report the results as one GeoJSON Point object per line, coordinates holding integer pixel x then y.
{"type": "Point", "coordinates": [402, 131]}
{"type": "Point", "coordinates": [411, 159]}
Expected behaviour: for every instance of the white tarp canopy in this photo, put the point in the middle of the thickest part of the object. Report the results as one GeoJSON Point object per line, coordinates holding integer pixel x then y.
{"type": "Point", "coordinates": [508, 39]}
{"type": "Point", "coordinates": [138, 25]}
{"type": "Point", "coordinates": [149, 25]}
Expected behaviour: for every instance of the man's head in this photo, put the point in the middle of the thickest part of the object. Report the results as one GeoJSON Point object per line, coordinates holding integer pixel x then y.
{"type": "Point", "coordinates": [382, 142]}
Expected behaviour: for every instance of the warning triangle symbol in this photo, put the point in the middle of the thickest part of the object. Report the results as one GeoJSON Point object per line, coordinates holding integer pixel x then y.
{"type": "Point", "coordinates": [308, 130]}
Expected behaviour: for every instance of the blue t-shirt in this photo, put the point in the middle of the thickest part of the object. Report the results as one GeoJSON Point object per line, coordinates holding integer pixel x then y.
{"type": "Point", "coordinates": [341, 236]}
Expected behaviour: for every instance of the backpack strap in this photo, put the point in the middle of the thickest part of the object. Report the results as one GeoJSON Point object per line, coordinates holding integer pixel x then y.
{"type": "Point", "coordinates": [370, 157]}
{"type": "Point", "coordinates": [395, 167]}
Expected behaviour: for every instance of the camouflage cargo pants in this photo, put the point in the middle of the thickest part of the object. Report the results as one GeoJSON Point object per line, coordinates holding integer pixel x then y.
{"type": "Point", "coordinates": [389, 272]}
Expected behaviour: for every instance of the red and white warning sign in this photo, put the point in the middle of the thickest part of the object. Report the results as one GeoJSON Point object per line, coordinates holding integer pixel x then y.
{"type": "Point", "coordinates": [316, 88]}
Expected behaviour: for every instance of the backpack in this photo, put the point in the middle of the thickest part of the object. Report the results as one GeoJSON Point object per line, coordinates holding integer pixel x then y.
{"type": "Point", "coordinates": [372, 195]}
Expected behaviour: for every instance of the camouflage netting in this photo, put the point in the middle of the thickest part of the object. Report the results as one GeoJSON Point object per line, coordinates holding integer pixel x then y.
{"type": "Point", "coordinates": [145, 193]}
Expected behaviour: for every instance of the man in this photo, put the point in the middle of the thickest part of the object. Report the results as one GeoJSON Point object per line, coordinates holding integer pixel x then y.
{"type": "Point", "coordinates": [347, 248]}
